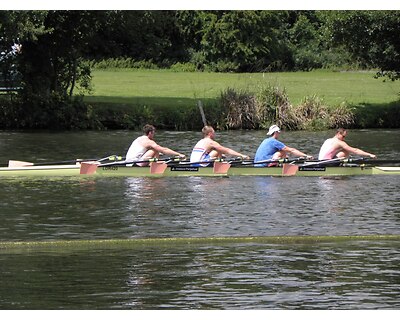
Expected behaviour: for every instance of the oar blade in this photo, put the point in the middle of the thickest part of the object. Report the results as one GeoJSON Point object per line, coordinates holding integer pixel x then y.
{"type": "Point", "coordinates": [89, 167]}
{"type": "Point", "coordinates": [221, 167]}
{"type": "Point", "coordinates": [157, 167]}
{"type": "Point", "coordinates": [289, 169]}
{"type": "Point", "coordinates": [16, 163]}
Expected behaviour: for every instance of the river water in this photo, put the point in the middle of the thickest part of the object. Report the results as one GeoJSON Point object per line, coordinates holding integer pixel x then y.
{"type": "Point", "coordinates": [333, 275]}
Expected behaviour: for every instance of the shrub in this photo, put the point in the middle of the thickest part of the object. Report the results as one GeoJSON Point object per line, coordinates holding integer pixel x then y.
{"type": "Point", "coordinates": [383, 116]}
{"type": "Point", "coordinates": [223, 66]}
{"type": "Point", "coordinates": [123, 63]}
{"type": "Point", "coordinates": [183, 67]}
{"type": "Point", "coordinates": [313, 114]}
{"type": "Point", "coordinates": [271, 105]}
{"type": "Point", "coordinates": [239, 110]}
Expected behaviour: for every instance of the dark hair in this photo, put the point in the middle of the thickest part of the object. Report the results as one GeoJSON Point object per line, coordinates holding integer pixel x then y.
{"type": "Point", "coordinates": [341, 130]}
{"type": "Point", "coordinates": [148, 128]}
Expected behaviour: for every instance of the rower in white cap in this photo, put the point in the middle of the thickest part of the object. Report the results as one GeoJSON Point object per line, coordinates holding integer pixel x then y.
{"type": "Point", "coordinates": [272, 149]}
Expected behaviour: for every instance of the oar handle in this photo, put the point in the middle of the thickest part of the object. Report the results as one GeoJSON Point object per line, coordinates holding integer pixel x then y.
{"type": "Point", "coordinates": [279, 161]}
{"type": "Point", "coordinates": [124, 162]}
{"type": "Point", "coordinates": [109, 158]}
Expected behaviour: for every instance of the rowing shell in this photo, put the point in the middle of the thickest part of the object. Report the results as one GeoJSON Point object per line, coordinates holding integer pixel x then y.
{"type": "Point", "coordinates": [54, 170]}
{"type": "Point", "coordinates": [184, 171]}
{"type": "Point", "coordinates": [177, 171]}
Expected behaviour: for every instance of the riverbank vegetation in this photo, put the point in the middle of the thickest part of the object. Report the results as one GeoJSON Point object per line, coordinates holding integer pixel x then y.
{"type": "Point", "coordinates": [70, 68]}
{"type": "Point", "coordinates": [317, 99]}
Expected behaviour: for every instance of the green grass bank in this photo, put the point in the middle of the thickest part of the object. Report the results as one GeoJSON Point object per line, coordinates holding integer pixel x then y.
{"type": "Point", "coordinates": [128, 98]}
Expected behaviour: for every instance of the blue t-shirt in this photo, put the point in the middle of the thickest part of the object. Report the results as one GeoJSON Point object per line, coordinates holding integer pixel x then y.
{"type": "Point", "coordinates": [267, 149]}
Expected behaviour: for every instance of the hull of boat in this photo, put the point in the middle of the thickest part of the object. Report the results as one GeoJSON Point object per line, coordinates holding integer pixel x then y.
{"type": "Point", "coordinates": [247, 171]}
{"type": "Point", "coordinates": [57, 171]}
{"type": "Point", "coordinates": [177, 171]}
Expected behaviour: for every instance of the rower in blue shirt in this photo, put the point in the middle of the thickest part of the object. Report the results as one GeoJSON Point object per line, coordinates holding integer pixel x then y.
{"type": "Point", "coordinates": [272, 149]}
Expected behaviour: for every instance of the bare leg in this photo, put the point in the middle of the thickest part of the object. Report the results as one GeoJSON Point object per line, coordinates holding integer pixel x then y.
{"type": "Point", "coordinates": [148, 155]}
{"type": "Point", "coordinates": [279, 155]}
{"type": "Point", "coordinates": [342, 154]}
{"type": "Point", "coordinates": [215, 154]}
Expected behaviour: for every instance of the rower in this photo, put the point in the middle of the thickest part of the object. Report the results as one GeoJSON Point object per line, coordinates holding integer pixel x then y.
{"type": "Point", "coordinates": [335, 147]}
{"type": "Point", "coordinates": [144, 148]}
{"type": "Point", "coordinates": [207, 149]}
{"type": "Point", "coordinates": [272, 149]}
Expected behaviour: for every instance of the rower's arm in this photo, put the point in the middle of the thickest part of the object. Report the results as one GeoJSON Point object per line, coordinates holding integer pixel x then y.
{"type": "Point", "coordinates": [164, 150]}
{"type": "Point", "coordinates": [357, 151]}
{"type": "Point", "coordinates": [224, 150]}
{"type": "Point", "coordinates": [296, 152]}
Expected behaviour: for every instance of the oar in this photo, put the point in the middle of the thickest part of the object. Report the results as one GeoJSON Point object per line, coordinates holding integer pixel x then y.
{"type": "Point", "coordinates": [210, 161]}
{"type": "Point", "coordinates": [371, 161]}
{"type": "Point", "coordinates": [284, 160]}
{"type": "Point", "coordinates": [150, 160]}
{"type": "Point", "coordinates": [241, 161]}
{"type": "Point", "coordinates": [90, 167]}
{"type": "Point", "coordinates": [323, 162]}
{"type": "Point", "coordinates": [17, 163]}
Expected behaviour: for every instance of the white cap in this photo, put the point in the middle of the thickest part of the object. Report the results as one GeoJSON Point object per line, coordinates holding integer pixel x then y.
{"type": "Point", "coordinates": [272, 129]}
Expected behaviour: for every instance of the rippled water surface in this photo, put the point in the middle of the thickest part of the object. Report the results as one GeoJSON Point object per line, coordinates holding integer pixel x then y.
{"type": "Point", "coordinates": [337, 275]}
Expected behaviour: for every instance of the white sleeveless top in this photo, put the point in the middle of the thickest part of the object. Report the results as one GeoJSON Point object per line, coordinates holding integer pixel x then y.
{"type": "Point", "coordinates": [135, 151]}
{"type": "Point", "coordinates": [199, 153]}
{"type": "Point", "coordinates": [327, 150]}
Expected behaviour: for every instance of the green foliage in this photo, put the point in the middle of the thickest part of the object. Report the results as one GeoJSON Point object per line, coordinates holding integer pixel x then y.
{"type": "Point", "coordinates": [183, 67]}
{"type": "Point", "coordinates": [9, 112]}
{"type": "Point", "coordinates": [245, 110]}
{"type": "Point", "coordinates": [371, 37]}
{"type": "Point", "coordinates": [59, 49]}
{"type": "Point", "coordinates": [122, 63]}
{"type": "Point", "coordinates": [245, 39]}
{"type": "Point", "coordinates": [52, 63]}
{"type": "Point", "coordinates": [313, 114]}
{"type": "Point", "coordinates": [239, 110]}
{"type": "Point", "coordinates": [55, 112]}
{"type": "Point", "coordinates": [171, 118]}
{"type": "Point", "coordinates": [51, 66]}
{"type": "Point", "coordinates": [272, 102]}
{"type": "Point", "coordinates": [140, 35]}
{"type": "Point", "coordinates": [382, 116]}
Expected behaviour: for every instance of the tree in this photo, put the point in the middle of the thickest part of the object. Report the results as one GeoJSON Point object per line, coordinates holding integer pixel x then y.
{"type": "Point", "coordinates": [249, 40]}
{"type": "Point", "coordinates": [16, 26]}
{"type": "Point", "coordinates": [140, 35]}
{"type": "Point", "coordinates": [372, 37]}
{"type": "Point", "coordinates": [52, 63]}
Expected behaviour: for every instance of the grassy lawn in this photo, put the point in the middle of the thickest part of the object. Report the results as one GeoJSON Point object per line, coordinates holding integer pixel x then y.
{"type": "Point", "coordinates": [167, 88]}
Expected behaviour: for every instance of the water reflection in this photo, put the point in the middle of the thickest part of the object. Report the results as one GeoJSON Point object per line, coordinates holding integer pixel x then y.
{"type": "Point", "coordinates": [331, 195]}
{"type": "Point", "coordinates": [262, 276]}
